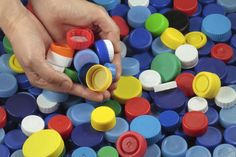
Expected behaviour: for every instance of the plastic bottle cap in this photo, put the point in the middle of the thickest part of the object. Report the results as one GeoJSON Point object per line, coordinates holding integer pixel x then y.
{"type": "Point", "coordinates": [224, 150]}
{"type": "Point", "coordinates": [107, 4]}
{"type": "Point", "coordinates": [230, 79]}
{"type": "Point", "coordinates": [184, 82]}
{"type": "Point", "coordinates": [123, 51]}
{"type": "Point", "coordinates": [23, 81]}
{"type": "Point", "coordinates": [32, 124]}
{"type": "Point", "coordinates": [172, 38]}
{"type": "Point", "coordinates": [195, 24]}
{"type": "Point", "coordinates": [114, 105]}
{"type": "Point", "coordinates": [229, 5]}
{"type": "Point", "coordinates": [196, 151]}
{"type": "Point", "coordinates": [112, 68]}
{"type": "Point", "coordinates": [232, 18]}
{"type": "Point", "coordinates": [229, 135]}
{"type": "Point", "coordinates": [158, 47]}
{"type": "Point", "coordinates": [213, 116]}
{"type": "Point", "coordinates": [103, 118]}
{"type": "Point", "coordinates": [197, 104]}
{"type": "Point", "coordinates": [145, 58]}
{"type": "Point", "coordinates": [199, 11]}
{"type": "Point", "coordinates": [79, 39]}
{"type": "Point", "coordinates": [130, 66]}
{"type": "Point", "coordinates": [123, 26]}
{"type": "Point", "coordinates": [149, 79]}
{"type": "Point", "coordinates": [61, 124]}
{"type": "Point", "coordinates": [17, 153]}
{"type": "Point", "coordinates": [120, 10]}
{"type": "Point", "coordinates": [206, 85]}
{"type": "Point", "coordinates": [131, 144]}
{"type": "Point", "coordinates": [3, 118]}
{"type": "Point", "coordinates": [12, 142]}
{"type": "Point", "coordinates": [103, 52]}
{"type": "Point", "coordinates": [222, 52]}
{"type": "Point", "coordinates": [55, 96]}
{"type": "Point", "coordinates": [84, 152]}
{"type": "Point", "coordinates": [206, 49]}
{"type": "Point", "coordinates": [160, 4]}
{"type": "Point", "coordinates": [170, 121]}
{"type": "Point", "coordinates": [217, 27]}
{"type": "Point", "coordinates": [213, 8]}
{"type": "Point", "coordinates": [35, 91]}
{"type": "Point", "coordinates": [72, 74]}
{"type": "Point", "coordinates": [186, 6]}
{"type": "Point", "coordinates": [62, 49]}
{"type": "Point", "coordinates": [4, 64]}
{"type": "Point", "coordinates": [98, 78]}
{"type": "Point", "coordinates": [156, 24]}
{"type": "Point", "coordinates": [46, 106]}
{"type": "Point", "coordinates": [127, 87]}
{"type": "Point", "coordinates": [4, 150]}
{"type": "Point", "coordinates": [226, 97]}
{"type": "Point", "coordinates": [7, 45]}
{"type": "Point", "coordinates": [228, 117]}
{"type": "Point", "coordinates": [43, 143]}
{"type": "Point", "coordinates": [153, 150]}
{"type": "Point", "coordinates": [58, 60]}
{"type": "Point", "coordinates": [8, 85]}
{"type": "Point", "coordinates": [14, 65]}
{"type": "Point", "coordinates": [107, 151]}
{"type": "Point", "coordinates": [133, 3]}
{"type": "Point", "coordinates": [194, 123]}
{"type": "Point", "coordinates": [165, 86]}
{"type": "Point", "coordinates": [197, 39]}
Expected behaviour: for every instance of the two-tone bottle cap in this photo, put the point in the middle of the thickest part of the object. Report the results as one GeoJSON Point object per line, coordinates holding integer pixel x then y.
{"type": "Point", "coordinates": [32, 124]}
{"type": "Point", "coordinates": [58, 60]}
{"type": "Point", "coordinates": [62, 49]}
{"type": "Point", "coordinates": [15, 65]}
{"type": "Point", "coordinates": [57, 68]}
{"type": "Point", "coordinates": [103, 51]}
{"type": "Point", "coordinates": [45, 105]}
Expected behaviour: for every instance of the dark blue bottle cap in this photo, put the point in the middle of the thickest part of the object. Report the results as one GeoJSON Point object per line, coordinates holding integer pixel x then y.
{"type": "Point", "coordinates": [120, 10]}
{"type": "Point", "coordinates": [2, 51]}
{"type": "Point", "coordinates": [152, 9]}
{"type": "Point", "coordinates": [213, 116]}
{"type": "Point", "coordinates": [233, 41]}
{"type": "Point", "coordinates": [232, 18]}
{"type": "Point", "coordinates": [35, 91]}
{"type": "Point", "coordinates": [147, 96]}
{"type": "Point", "coordinates": [231, 75]}
{"type": "Point", "coordinates": [199, 10]}
{"type": "Point", "coordinates": [83, 72]}
{"type": "Point", "coordinates": [213, 8]}
{"type": "Point", "coordinates": [23, 81]}
{"type": "Point", "coordinates": [160, 4]}
{"type": "Point", "coordinates": [165, 10]}
{"type": "Point", "coordinates": [2, 134]}
{"type": "Point", "coordinates": [195, 23]}
{"type": "Point", "coordinates": [170, 121]}
{"type": "Point", "coordinates": [229, 135]}
{"type": "Point", "coordinates": [164, 100]}
{"type": "Point", "coordinates": [206, 1]}
{"type": "Point", "coordinates": [145, 59]}
{"type": "Point", "coordinates": [153, 151]}
{"type": "Point", "coordinates": [198, 151]}
{"type": "Point", "coordinates": [212, 65]}
{"type": "Point", "coordinates": [130, 66]}
{"type": "Point", "coordinates": [233, 60]}
{"type": "Point", "coordinates": [24, 2]}
{"type": "Point", "coordinates": [224, 150]}
{"type": "Point", "coordinates": [140, 40]}
{"type": "Point", "coordinates": [158, 47]}
{"type": "Point", "coordinates": [8, 85]}
{"type": "Point", "coordinates": [206, 49]}
{"type": "Point", "coordinates": [4, 151]}
{"type": "Point", "coordinates": [4, 67]}
{"type": "Point", "coordinates": [102, 51]}
{"type": "Point", "coordinates": [211, 139]}
{"type": "Point", "coordinates": [85, 136]}
{"type": "Point", "coordinates": [15, 139]}
{"type": "Point", "coordinates": [20, 105]}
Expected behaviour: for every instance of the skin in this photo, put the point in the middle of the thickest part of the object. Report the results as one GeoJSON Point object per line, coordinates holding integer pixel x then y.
{"type": "Point", "coordinates": [31, 34]}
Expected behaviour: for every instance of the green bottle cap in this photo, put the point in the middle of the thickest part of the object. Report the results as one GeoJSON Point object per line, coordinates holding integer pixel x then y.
{"type": "Point", "coordinates": [71, 74]}
{"type": "Point", "coordinates": [107, 151]}
{"type": "Point", "coordinates": [114, 105]}
{"type": "Point", "coordinates": [156, 24]}
{"type": "Point", "coordinates": [167, 65]}
{"type": "Point", "coordinates": [7, 45]}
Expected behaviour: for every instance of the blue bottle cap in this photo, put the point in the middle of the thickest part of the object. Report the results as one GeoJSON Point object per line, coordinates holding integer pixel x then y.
{"type": "Point", "coordinates": [206, 49]}
{"type": "Point", "coordinates": [15, 139]}
{"type": "Point", "coordinates": [80, 113]}
{"type": "Point", "coordinates": [229, 5]}
{"type": "Point", "coordinates": [55, 96]}
{"type": "Point", "coordinates": [107, 4]}
{"type": "Point", "coordinates": [198, 151]}
{"type": "Point", "coordinates": [17, 153]}
{"type": "Point", "coordinates": [233, 41]}
{"type": "Point", "coordinates": [102, 51]}
{"type": "Point", "coordinates": [213, 8]}
{"type": "Point", "coordinates": [181, 133]}
{"type": "Point", "coordinates": [20, 105]}
{"type": "Point", "coordinates": [2, 135]}
{"type": "Point", "coordinates": [8, 85]}
{"type": "Point", "coordinates": [140, 40]}
{"type": "Point", "coordinates": [195, 24]}
{"type": "Point", "coordinates": [228, 116]}
{"type": "Point", "coordinates": [83, 57]}
{"type": "Point", "coordinates": [84, 152]}
{"type": "Point", "coordinates": [152, 9]}
{"type": "Point", "coordinates": [85, 136]}
{"type": "Point", "coordinates": [212, 65]}
{"type": "Point", "coordinates": [233, 60]}
{"type": "Point", "coordinates": [199, 10]}
{"type": "Point", "coordinates": [231, 77]}
{"type": "Point", "coordinates": [179, 149]}
{"type": "Point", "coordinates": [112, 68]}
{"type": "Point", "coordinates": [137, 16]}
{"type": "Point", "coordinates": [229, 135]}
{"type": "Point", "coordinates": [4, 151]}
{"type": "Point", "coordinates": [83, 72]}
{"type": "Point", "coordinates": [147, 96]}
{"type": "Point", "coordinates": [120, 10]}
{"type": "Point", "coordinates": [211, 139]}
{"type": "Point", "coordinates": [213, 116]}
{"type": "Point", "coordinates": [158, 47]}
{"type": "Point", "coordinates": [120, 127]}
{"type": "Point", "coordinates": [148, 126]}
{"type": "Point", "coordinates": [23, 81]}
{"type": "Point", "coordinates": [153, 151]}
{"type": "Point", "coordinates": [24, 2]}
{"type": "Point", "coordinates": [224, 150]}
{"type": "Point", "coordinates": [4, 67]}
{"type": "Point", "coordinates": [160, 4]}
{"type": "Point", "coordinates": [164, 100]}
{"type": "Point", "coordinates": [165, 10]}
{"type": "Point", "coordinates": [206, 1]}
{"type": "Point", "coordinates": [217, 27]}
{"type": "Point", "coordinates": [170, 121]}
{"type": "Point", "coordinates": [35, 91]}
{"type": "Point", "coordinates": [145, 58]}
{"type": "Point", "coordinates": [232, 18]}
{"type": "Point", "coordinates": [130, 66]}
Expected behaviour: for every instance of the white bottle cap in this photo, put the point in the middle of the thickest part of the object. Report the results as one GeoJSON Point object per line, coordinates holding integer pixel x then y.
{"type": "Point", "coordinates": [198, 104]}
{"type": "Point", "coordinates": [46, 106]}
{"type": "Point", "coordinates": [32, 124]}
{"type": "Point", "coordinates": [57, 68]}
{"type": "Point", "coordinates": [59, 60]}
{"type": "Point", "coordinates": [165, 86]}
{"type": "Point", "coordinates": [110, 49]}
{"type": "Point", "coordinates": [123, 49]}
{"type": "Point", "coordinates": [149, 79]}
{"type": "Point", "coordinates": [188, 56]}
{"type": "Point", "coordinates": [226, 97]}
{"type": "Point", "coordinates": [133, 3]}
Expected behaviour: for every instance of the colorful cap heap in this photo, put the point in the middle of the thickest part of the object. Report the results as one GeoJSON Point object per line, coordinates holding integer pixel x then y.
{"type": "Point", "coordinates": [197, 39]}
{"type": "Point", "coordinates": [186, 6]}
{"type": "Point", "coordinates": [32, 124]}
{"type": "Point", "coordinates": [226, 97]}
{"type": "Point", "coordinates": [222, 51]}
{"type": "Point", "coordinates": [15, 65]}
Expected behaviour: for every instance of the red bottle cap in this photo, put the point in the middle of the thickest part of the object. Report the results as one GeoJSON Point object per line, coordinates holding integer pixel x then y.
{"type": "Point", "coordinates": [121, 23]}
{"type": "Point", "coordinates": [184, 83]}
{"type": "Point", "coordinates": [61, 124]}
{"type": "Point", "coordinates": [131, 144]}
{"type": "Point", "coordinates": [135, 107]}
{"type": "Point", "coordinates": [79, 38]}
{"type": "Point", "coordinates": [194, 123]}
{"type": "Point", "coordinates": [3, 117]}
{"type": "Point", "coordinates": [222, 51]}
{"type": "Point", "coordinates": [188, 7]}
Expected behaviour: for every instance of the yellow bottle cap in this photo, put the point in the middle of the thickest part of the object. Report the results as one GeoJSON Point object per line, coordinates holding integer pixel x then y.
{"type": "Point", "coordinates": [127, 87]}
{"type": "Point", "coordinates": [206, 85]}
{"type": "Point", "coordinates": [197, 39]}
{"type": "Point", "coordinates": [15, 65]}
{"type": "Point", "coordinates": [98, 78]}
{"type": "Point", "coordinates": [172, 38]}
{"type": "Point", "coordinates": [44, 143]}
{"type": "Point", "coordinates": [103, 118]}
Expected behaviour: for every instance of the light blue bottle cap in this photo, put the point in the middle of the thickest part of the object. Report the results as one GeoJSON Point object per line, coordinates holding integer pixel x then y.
{"type": "Point", "coordinates": [228, 116]}
{"type": "Point", "coordinates": [148, 126]}
{"type": "Point", "coordinates": [174, 146]}
{"type": "Point", "coordinates": [55, 96]}
{"type": "Point", "coordinates": [137, 16]}
{"type": "Point", "coordinates": [153, 151]}
{"type": "Point", "coordinates": [84, 152]}
{"type": "Point", "coordinates": [2, 135]}
{"type": "Point", "coordinates": [229, 5]}
{"type": "Point", "coordinates": [80, 113]}
{"type": "Point", "coordinates": [112, 68]}
{"type": "Point", "coordinates": [158, 47]}
{"type": "Point", "coordinates": [17, 153]}
{"type": "Point", "coordinates": [120, 127]}
{"type": "Point", "coordinates": [130, 66]}
{"type": "Point", "coordinates": [4, 67]}
{"type": "Point", "coordinates": [217, 27]}
{"type": "Point", "coordinates": [198, 151]}
{"type": "Point", "coordinates": [107, 4]}
{"type": "Point", "coordinates": [213, 8]}
{"type": "Point", "coordinates": [229, 135]}
{"type": "Point", "coordinates": [8, 85]}
{"type": "Point", "coordinates": [224, 150]}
